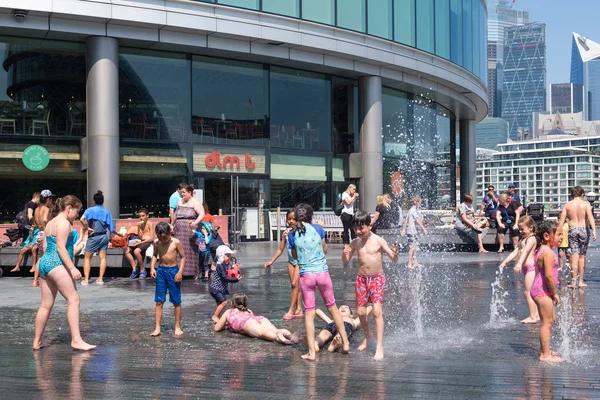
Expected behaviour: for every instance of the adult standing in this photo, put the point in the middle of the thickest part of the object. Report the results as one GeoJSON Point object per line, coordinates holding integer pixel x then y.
{"type": "Point", "coordinates": [349, 199]}
{"type": "Point", "coordinates": [28, 212]}
{"type": "Point", "coordinates": [174, 200]}
{"type": "Point", "coordinates": [507, 218]}
{"type": "Point", "coordinates": [40, 215]}
{"type": "Point", "coordinates": [98, 222]}
{"type": "Point", "coordinates": [490, 204]}
{"type": "Point", "coordinates": [465, 222]}
{"type": "Point", "coordinates": [383, 213]}
{"type": "Point", "coordinates": [188, 214]}
{"type": "Point", "coordinates": [580, 215]}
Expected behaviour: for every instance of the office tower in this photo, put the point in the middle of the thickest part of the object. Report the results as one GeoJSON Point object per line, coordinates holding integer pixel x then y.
{"type": "Point", "coordinates": [585, 70]}
{"type": "Point", "coordinates": [565, 98]}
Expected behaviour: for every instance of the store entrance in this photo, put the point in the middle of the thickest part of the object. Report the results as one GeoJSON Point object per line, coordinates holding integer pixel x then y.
{"type": "Point", "coordinates": [242, 198]}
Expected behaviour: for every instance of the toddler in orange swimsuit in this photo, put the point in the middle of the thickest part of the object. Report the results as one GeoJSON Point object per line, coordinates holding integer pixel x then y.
{"type": "Point", "coordinates": [370, 280]}
{"type": "Point", "coordinates": [240, 319]}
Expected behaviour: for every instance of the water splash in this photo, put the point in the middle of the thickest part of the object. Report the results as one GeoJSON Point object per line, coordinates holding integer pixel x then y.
{"type": "Point", "coordinates": [498, 312]}
{"type": "Point", "coordinates": [564, 326]}
{"type": "Point", "coordinates": [417, 278]}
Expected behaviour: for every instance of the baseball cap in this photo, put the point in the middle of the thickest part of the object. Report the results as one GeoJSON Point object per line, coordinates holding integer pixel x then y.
{"type": "Point", "coordinates": [511, 185]}
{"type": "Point", "coordinates": [221, 251]}
{"type": "Point", "coordinates": [46, 193]}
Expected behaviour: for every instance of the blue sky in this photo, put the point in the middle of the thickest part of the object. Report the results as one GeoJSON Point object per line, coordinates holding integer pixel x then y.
{"type": "Point", "coordinates": [562, 18]}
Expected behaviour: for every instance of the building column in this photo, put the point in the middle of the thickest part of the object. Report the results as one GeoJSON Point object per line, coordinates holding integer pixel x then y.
{"type": "Point", "coordinates": [468, 157]}
{"type": "Point", "coordinates": [371, 142]}
{"type": "Point", "coordinates": [102, 106]}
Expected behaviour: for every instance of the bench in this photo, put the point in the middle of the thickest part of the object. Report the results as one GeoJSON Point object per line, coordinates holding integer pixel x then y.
{"type": "Point", "coordinates": [331, 223]}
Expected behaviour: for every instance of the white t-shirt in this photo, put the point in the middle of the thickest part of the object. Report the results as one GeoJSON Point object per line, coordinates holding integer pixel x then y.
{"type": "Point", "coordinates": [348, 209]}
{"type": "Point", "coordinates": [413, 214]}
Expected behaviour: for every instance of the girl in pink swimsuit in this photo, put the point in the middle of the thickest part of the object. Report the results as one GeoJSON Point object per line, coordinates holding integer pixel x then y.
{"type": "Point", "coordinates": [525, 250]}
{"type": "Point", "coordinates": [544, 288]}
{"type": "Point", "coordinates": [241, 320]}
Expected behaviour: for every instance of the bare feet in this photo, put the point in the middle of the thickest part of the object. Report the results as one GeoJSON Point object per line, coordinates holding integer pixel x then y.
{"type": "Point", "coordinates": [155, 333]}
{"type": "Point", "coordinates": [309, 357]}
{"type": "Point", "coordinates": [35, 284]}
{"type": "Point", "coordinates": [501, 250]}
{"type": "Point", "coordinates": [483, 251]}
{"type": "Point", "coordinates": [530, 320]}
{"type": "Point", "coordinates": [581, 284]}
{"type": "Point", "coordinates": [572, 286]}
{"type": "Point", "coordinates": [178, 332]}
{"type": "Point", "coordinates": [16, 269]}
{"type": "Point", "coordinates": [83, 346]}
{"type": "Point", "coordinates": [551, 359]}
{"type": "Point", "coordinates": [410, 266]}
{"type": "Point", "coordinates": [363, 345]}
{"type": "Point", "coordinates": [335, 344]}
{"type": "Point", "coordinates": [32, 270]}
{"type": "Point", "coordinates": [378, 354]}
{"type": "Point", "coordinates": [38, 345]}
{"type": "Point", "coordinates": [346, 348]}
{"type": "Point", "coordinates": [554, 353]}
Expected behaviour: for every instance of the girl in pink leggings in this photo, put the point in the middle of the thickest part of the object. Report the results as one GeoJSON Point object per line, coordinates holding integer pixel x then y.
{"type": "Point", "coordinates": [525, 251]}
{"type": "Point", "coordinates": [307, 242]}
{"type": "Point", "coordinates": [544, 288]}
{"type": "Point", "coordinates": [239, 319]}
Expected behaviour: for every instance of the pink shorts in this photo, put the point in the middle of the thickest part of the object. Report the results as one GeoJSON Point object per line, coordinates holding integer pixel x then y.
{"type": "Point", "coordinates": [369, 289]}
{"type": "Point", "coordinates": [309, 283]}
{"type": "Point", "coordinates": [528, 268]}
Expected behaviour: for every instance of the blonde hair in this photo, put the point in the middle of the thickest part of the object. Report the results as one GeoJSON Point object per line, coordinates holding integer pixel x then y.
{"type": "Point", "coordinates": [350, 186]}
{"type": "Point", "coordinates": [504, 197]}
{"type": "Point", "coordinates": [380, 199]}
{"type": "Point", "coordinates": [416, 199]}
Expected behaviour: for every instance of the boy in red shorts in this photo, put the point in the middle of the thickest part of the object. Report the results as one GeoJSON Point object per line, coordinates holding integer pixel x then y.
{"type": "Point", "coordinates": [370, 280]}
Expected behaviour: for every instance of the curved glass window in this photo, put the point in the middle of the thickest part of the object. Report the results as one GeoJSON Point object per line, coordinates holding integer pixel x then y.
{"type": "Point", "coordinates": [380, 18]}
{"type": "Point", "coordinates": [442, 28]}
{"type": "Point", "coordinates": [456, 32]}
{"type": "Point", "coordinates": [282, 7]}
{"type": "Point", "coordinates": [425, 24]}
{"type": "Point", "coordinates": [467, 35]}
{"type": "Point", "coordinates": [404, 16]}
{"type": "Point", "coordinates": [322, 11]}
{"type": "Point", "coordinates": [251, 4]}
{"type": "Point", "coordinates": [352, 15]}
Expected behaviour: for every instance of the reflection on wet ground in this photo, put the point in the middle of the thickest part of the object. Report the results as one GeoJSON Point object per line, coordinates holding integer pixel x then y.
{"type": "Point", "coordinates": [438, 340]}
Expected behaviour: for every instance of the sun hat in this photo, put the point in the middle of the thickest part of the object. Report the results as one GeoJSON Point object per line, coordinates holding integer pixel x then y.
{"type": "Point", "coordinates": [221, 251]}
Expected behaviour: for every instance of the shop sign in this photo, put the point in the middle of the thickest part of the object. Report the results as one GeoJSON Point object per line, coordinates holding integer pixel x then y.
{"type": "Point", "coordinates": [36, 158]}
{"type": "Point", "coordinates": [239, 161]}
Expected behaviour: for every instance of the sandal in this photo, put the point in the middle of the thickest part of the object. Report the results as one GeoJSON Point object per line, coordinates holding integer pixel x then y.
{"type": "Point", "coordinates": [288, 316]}
{"type": "Point", "coordinates": [134, 274]}
{"type": "Point", "coordinates": [298, 315]}
{"type": "Point", "coordinates": [143, 274]}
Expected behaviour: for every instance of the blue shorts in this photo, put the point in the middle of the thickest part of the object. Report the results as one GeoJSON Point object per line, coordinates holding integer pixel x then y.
{"type": "Point", "coordinates": [219, 297]}
{"type": "Point", "coordinates": [165, 279]}
{"type": "Point", "coordinates": [96, 243]}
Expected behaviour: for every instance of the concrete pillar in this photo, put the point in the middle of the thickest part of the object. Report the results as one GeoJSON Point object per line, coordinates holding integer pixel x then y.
{"type": "Point", "coordinates": [102, 105]}
{"type": "Point", "coordinates": [468, 157]}
{"type": "Point", "coordinates": [371, 142]}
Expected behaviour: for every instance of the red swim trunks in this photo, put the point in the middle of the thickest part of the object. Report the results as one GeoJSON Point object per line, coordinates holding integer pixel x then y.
{"type": "Point", "coordinates": [369, 289]}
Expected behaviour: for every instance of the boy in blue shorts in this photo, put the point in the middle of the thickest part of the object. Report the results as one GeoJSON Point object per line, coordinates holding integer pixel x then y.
{"type": "Point", "coordinates": [168, 276]}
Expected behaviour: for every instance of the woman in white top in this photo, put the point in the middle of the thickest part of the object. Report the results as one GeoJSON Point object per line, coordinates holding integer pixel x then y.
{"type": "Point", "coordinates": [348, 198]}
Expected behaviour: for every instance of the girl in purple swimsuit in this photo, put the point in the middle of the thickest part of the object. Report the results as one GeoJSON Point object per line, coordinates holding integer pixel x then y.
{"type": "Point", "coordinates": [525, 251]}
{"type": "Point", "coordinates": [544, 288]}
{"type": "Point", "coordinates": [239, 319]}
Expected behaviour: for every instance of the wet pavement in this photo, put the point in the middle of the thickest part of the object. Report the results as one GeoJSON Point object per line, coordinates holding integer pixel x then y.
{"type": "Point", "coordinates": [439, 339]}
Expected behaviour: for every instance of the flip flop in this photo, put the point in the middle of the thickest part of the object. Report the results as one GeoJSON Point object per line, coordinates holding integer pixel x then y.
{"type": "Point", "coordinates": [288, 316]}
{"type": "Point", "coordinates": [84, 283]}
{"type": "Point", "coordinates": [99, 282]}
{"type": "Point", "coordinates": [298, 315]}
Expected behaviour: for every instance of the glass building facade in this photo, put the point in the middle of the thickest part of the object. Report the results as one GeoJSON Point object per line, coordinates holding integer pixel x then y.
{"type": "Point", "coordinates": [524, 84]}
{"type": "Point", "coordinates": [587, 74]}
{"type": "Point", "coordinates": [452, 29]}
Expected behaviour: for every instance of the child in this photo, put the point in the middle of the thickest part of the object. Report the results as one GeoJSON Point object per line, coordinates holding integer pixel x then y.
{"type": "Point", "coordinates": [140, 238]}
{"type": "Point", "coordinates": [239, 319]}
{"type": "Point", "coordinates": [29, 245]}
{"type": "Point", "coordinates": [330, 332]}
{"type": "Point", "coordinates": [563, 249]}
{"type": "Point", "coordinates": [168, 276]}
{"type": "Point", "coordinates": [544, 290]}
{"type": "Point", "coordinates": [525, 250]}
{"type": "Point", "coordinates": [204, 238]}
{"type": "Point", "coordinates": [219, 286]}
{"type": "Point", "coordinates": [307, 242]}
{"type": "Point", "coordinates": [409, 230]}
{"type": "Point", "coordinates": [370, 280]}
{"type": "Point", "coordinates": [295, 310]}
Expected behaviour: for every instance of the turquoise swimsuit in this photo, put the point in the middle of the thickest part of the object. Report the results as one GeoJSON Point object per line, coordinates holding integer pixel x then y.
{"type": "Point", "coordinates": [51, 258]}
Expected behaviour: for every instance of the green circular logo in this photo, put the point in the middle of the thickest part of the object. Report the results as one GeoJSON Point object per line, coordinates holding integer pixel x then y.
{"type": "Point", "coordinates": [36, 157]}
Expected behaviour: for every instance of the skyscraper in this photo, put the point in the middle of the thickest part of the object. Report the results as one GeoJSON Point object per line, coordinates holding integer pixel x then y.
{"type": "Point", "coordinates": [524, 83]}
{"type": "Point", "coordinates": [500, 17]}
{"type": "Point", "coordinates": [565, 98]}
{"type": "Point", "coordinates": [585, 70]}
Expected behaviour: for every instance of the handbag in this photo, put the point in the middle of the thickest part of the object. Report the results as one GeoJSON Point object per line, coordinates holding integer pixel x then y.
{"type": "Point", "coordinates": [339, 208]}
{"type": "Point", "coordinates": [119, 241]}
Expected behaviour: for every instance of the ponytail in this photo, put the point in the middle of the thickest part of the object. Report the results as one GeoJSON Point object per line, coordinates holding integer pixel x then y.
{"type": "Point", "coordinates": [544, 227]}
{"type": "Point", "coordinates": [303, 213]}
{"type": "Point", "coordinates": [240, 302]}
{"type": "Point", "coordinates": [55, 210]}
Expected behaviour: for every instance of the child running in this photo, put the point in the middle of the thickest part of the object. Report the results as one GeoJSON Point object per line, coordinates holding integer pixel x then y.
{"type": "Point", "coordinates": [295, 310]}
{"type": "Point", "coordinates": [58, 273]}
{"type": "Point", "coordinates": [168, 276]}
{"type": "Point", "coordinates": [307, 241]}
{"type": "Point", "coordinates": [240, 319]}
{"type": "Point", "coordinates": [219, 287]}
{"type": "Point", "coordinates": [413, 219]}
{"type": "Point", "coordinates": [329, 331]}
{"type": "Point", "coordinates": [544, 289]}
{"type": "Point", "coordinates": [370, 280]}
{"type": "Point", "coordinates": [525, 250]}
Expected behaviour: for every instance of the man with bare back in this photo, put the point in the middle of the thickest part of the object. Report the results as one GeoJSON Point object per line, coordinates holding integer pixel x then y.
{"type": "Point", "coordinates": [579, 214]}
{"type": "Point", "coordinates": [40, 216]}
{"type": "Point", "coordinates": [370, 280]}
